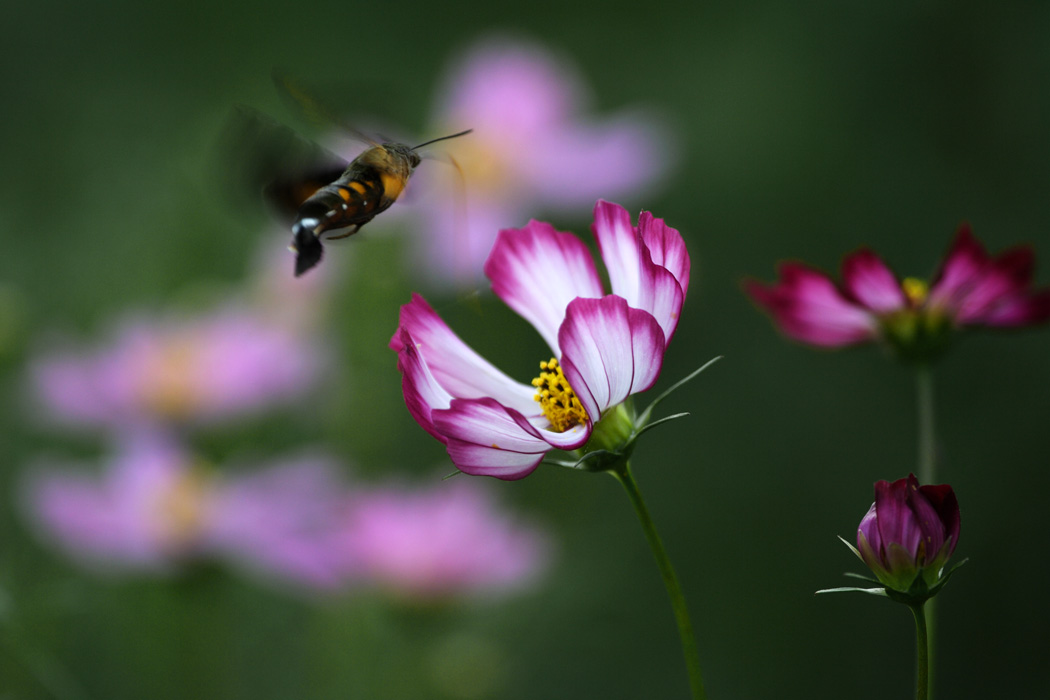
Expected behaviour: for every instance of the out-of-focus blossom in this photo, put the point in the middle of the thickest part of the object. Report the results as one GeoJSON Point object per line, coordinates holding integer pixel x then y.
{"type": "Point", "coordinates": [300, 304]}
{"type": "Point", "coordinates": [209, 367]}
{"type": "Point", "coordinates": [153, 509]}
{"type": "Point", "coordinates": [532, 148]}
{"type": "Point", "coordinates": [446, 540]}
{"type": "Point", "coordinates": [605, 347]}
{"type": "Point", "coordinates": [909, 531]}
{"type": "Point", "coordinates": [916, 319]}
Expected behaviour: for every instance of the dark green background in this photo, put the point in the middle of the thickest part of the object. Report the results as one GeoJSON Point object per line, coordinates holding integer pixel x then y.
{"type": "Point", "coordinates": [804, 130]}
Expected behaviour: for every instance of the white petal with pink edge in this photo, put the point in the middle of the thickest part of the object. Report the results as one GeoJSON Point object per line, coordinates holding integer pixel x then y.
{"type": "Point", "coordinates": [484, 437]}
{"type": "Point", "coordinates": [610, 351]}
{"type": "Point", "coordinates": [458, 369]}
{"type": "Point", "coordinates": [633, 274]}
{"type": "Point", "coordinates": [537, 271]}
{"type": "Point", "coordinates": [423, 394]}
{"type": "Point", "coordinates": [666, 248]}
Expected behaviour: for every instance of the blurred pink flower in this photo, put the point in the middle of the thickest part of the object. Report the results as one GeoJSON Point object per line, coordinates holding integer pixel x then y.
{"type": "Point", "coordinates": [299, 304]}
{"type": "Point", "coordinates": [212, 366]}
{"type": "Point", "coordinates": [153, 509]}
{"type": "Point", "coordinates": [452, 538]}
{"type": "Point", "coordinates": [531, 149]}
{"type": "Point", "coordinates": [916, 319]}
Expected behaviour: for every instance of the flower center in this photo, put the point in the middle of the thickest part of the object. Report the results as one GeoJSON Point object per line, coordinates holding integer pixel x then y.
{"type": "Point", "coordinates": [560, 404]}
{"type": "Point", "coordinates": [181, 509]}
{"type": "Point", "coordinates": [916, 290]}
{"type": "Point", "coordinates": [485, 167]}
{"type": "Point", "coordinates": [169, 388]}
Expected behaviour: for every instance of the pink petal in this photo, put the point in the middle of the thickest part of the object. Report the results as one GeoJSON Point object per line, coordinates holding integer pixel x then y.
{"type": "Point", "coordinates": [1002, 278]}
{"type": "Point", "coordinates": [610, 351]}
{"type": "Point", "coordinates": [807, 306]}
{"type": "Point", "coordinates": [516, 87]}
{"type": "Point", "coordinates": [459, 370]}
{"type": "Point", "coordinates": [537, 271]}
{"type": "Point", "coordinates": [576, 164]}
{"type": "Point", "coordinates": [282, 521]}
{"type": "Point", "coordinates": [423, 394]}
{"type": "Point", "coordinates": [666, 247]}
{"type": "Point", "coordinates": [1019, 310]}
{"type": "Point", "coordinates": [483, 438]}
{"type": "Point", "coordinates": [487, 438]}
{"type": "Point", "coordinates": [867, 279]}
{"type": "Point", "coordinates": [962, 265]}
{"type": "Point", "coordinates": [632, 273]}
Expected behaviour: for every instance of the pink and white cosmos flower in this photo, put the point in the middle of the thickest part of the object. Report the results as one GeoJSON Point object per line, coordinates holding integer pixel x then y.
{"type": "Point", "coordinates": [605, 347]}
{"type": "Point", "coordinates": [970, 289]}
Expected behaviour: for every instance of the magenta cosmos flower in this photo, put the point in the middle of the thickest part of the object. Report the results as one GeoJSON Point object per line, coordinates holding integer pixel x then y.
{"type": "Point", "coordinates": [207, 367]}
{"type": "Point", "coordinates": [531, 148]}
{"type": "Point", "coordinates": [449, 539]}
{"type": "Point", "coordinates": [909, 531]}
{"type": "Point", "coordinates": [605, 347]}
{"type": "Point", "coordinates": [153, 509]}
{"type": "Point", "coordinates": [970, 289]}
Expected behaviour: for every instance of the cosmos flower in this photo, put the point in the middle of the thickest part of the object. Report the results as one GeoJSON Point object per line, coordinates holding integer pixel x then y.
{"type": "Point", "coordinates": [916, 319]}
{"type": "Point", "coordinates": [909, 531]}
{"type": "Point", "coordinates": [153, 509]}
{"type": "Point", "coordinates": [605, 347]}
{"type": "Point", "coordinates": [451, 538]}
{"type": "Point", "coordinates": [532, 147]}
{"type": "Point", "coordinates": [219, 365]}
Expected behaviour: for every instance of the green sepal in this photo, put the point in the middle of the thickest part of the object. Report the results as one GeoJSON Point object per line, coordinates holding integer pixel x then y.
{"type": "Point", "coordinates": [881, 591]}
{"type": "Point", "coordinates": [862, 577]}
{"type": "Point", "coordinates": [643, 419]}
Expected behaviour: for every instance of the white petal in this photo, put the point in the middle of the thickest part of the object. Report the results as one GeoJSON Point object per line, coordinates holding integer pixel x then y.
{"type": "Point", "coordinates": [537, 271]}
{"type": "Point", "coordinates": [610, 351]}
{"type": "Point", "coordinates": [459, 370]}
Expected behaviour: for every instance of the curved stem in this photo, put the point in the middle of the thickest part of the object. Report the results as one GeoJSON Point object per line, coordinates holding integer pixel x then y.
{"type": "Point", "coordinates": [927, 436]}
{"type": "Point", "coordinates": [922, 658]}
{"type": "Point", "coordinates": [674, 589]}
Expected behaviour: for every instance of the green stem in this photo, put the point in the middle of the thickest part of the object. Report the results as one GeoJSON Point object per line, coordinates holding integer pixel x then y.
{"type": "Point", "coordinates": [922, 657]}
{"type": "Point", "coordinates": [927, 474]}
{"type": "Point", "coordinates": [927, 437]}
{"type": "Point", "coordinates": [674, 589]}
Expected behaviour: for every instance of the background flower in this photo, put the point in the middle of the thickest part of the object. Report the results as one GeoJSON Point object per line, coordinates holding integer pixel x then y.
{"type": "Point", "coordinates": [450, 538]}
{"type": "Point", "coordinates": [971, 288]}
{"type": "Point", "coordinates": [533, 148]}
{"type": "Point", "coordinates": [153, 509]}
{"type": "Point", "coordinates": [216, 365]}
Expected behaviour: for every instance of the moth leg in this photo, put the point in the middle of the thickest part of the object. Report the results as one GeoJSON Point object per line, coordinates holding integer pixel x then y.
{"type": "Point", "coordinates": [350, 230]}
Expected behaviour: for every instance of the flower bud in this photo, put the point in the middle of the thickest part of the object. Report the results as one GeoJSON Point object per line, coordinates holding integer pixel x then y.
{"type": "Point", "coordinates": [908, 533]}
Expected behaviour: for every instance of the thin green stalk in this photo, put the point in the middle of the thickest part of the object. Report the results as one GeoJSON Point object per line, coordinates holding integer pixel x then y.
{"type": "Point", "coordinates": [927, 473]}
{"type": "Point", "coordinates": [927, 434]}
{"type": "Point", "coordinates": [674, 589]}
{"type": "Point", "coordinates": [922, 657]}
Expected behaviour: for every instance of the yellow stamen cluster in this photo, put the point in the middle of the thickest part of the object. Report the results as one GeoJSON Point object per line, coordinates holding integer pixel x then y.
{"type": "Point", "coordinates": [560, 404]}
{"type": "Point", "coordinates": [181, 509]}
{"type": "Point", "coordinates": [169, 389]}
{"type": "Point", "coordinates": [915, 290]}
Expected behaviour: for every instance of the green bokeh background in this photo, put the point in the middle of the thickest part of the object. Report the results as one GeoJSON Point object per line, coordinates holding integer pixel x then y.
{"type": "Point", "coordinates": [804, 130]}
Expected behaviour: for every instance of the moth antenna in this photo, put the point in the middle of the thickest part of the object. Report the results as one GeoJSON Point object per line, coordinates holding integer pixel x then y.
{"type": "Point", "coordinates": [442, 138]}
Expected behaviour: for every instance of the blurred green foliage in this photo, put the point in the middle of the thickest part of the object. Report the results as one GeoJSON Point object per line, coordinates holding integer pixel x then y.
{"type": "Point", "coordinates": [806, 130]}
